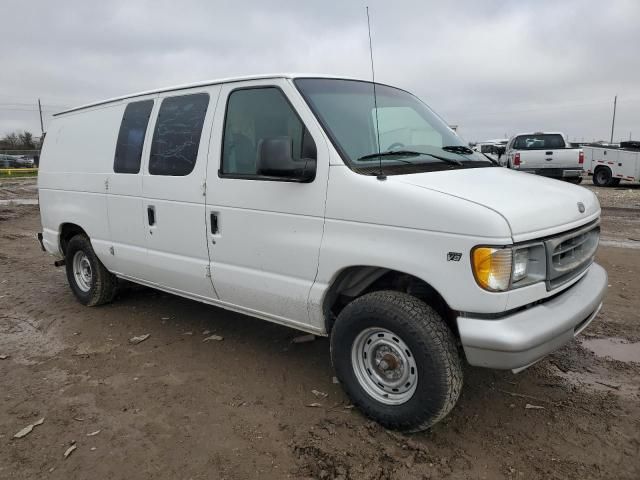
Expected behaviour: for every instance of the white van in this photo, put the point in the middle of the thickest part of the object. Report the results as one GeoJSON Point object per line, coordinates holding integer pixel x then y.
{"type": "Point", "coordinates": [294, 200]}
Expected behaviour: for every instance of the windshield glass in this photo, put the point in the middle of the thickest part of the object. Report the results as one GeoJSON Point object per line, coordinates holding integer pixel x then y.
{"type": "Point", "coordinates": [405, 125]}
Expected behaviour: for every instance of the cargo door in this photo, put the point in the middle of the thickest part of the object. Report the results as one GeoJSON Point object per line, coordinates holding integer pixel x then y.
{"type": "Point", "coordinates": [124, 189]}
{"type": "Point", "coordinates": [174, 182]}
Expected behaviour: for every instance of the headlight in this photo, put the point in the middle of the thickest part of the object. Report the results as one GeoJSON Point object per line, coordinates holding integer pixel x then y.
{"type": "Point", "coordinates": [520, 264]}
{"type": "Point", "coordinates": [492, 267]}
{"type": "Point", "coordinates": [500, 269]}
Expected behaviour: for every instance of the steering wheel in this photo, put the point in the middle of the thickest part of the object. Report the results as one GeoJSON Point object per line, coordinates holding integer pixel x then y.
{"type": "Point", "coordinates": [395, 146]}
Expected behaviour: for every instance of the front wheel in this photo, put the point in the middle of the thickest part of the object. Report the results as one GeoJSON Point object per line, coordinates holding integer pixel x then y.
{"type": "Point", "coordinates": [89, 279]}
{"type": "Point", "coordinates": [397, 360]}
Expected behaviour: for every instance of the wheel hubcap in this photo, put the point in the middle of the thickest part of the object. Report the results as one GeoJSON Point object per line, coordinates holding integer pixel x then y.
{"type": "Point", "coordinates": [602, 177]}
{"type": "Point", "coordinates": [384, 366]}
{"type": "Point", "coordinates": [82, 271]}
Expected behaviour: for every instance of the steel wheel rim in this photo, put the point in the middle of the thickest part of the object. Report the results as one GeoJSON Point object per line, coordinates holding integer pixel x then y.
{"type": "Point", "coordinates": [82, 271]}
{"type": "Point", "coordinates": [384, 366]}
{"type": "Point", "coordinates": [601, 176]}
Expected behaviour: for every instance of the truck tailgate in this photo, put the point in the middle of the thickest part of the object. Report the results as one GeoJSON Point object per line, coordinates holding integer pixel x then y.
{"type": "Point", "coordinates": [557, 158]}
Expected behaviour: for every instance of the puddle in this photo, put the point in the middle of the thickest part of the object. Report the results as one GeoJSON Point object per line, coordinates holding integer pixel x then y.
{"type": "Point", "coordinates": [614, 348]}
{"type": "Point", "coordinates": [620, 243]}
{"type": "Point", "coordinates": [20, 201]}
{"type": "Point", "coordinates": [25, 339]}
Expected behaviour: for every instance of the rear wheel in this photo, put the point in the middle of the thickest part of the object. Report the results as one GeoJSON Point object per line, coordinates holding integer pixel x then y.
{"type": "Point", "coordinates": [397, 360]}
{"type": "Point", "coordinates": [90, 281]}
{"type": "Point", "coordinates": [602, 177]}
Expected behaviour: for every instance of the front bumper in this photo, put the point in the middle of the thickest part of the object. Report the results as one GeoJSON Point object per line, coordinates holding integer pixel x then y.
{"type": "Point", "coordinates": [521, 339]}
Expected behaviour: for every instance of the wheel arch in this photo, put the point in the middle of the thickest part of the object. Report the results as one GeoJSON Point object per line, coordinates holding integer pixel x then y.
{"type": "Point", "coordinates": [67, 231]}
{"type": "Point", "coordinates": [354, 281]}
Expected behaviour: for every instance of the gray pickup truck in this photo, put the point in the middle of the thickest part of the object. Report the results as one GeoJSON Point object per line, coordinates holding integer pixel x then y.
{"type": "Point", "coordinates": [545, 153]}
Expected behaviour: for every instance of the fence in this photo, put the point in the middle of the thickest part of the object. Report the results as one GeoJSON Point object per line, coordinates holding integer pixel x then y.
{"type": "Point", "coordinates": [21, 152]}
{"type": "Point", "coordinates": [18, 172]}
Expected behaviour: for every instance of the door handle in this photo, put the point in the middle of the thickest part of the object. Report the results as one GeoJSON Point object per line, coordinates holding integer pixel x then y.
{"type": "Point", "coordinates": [151, 215]}
{"type": "Point", "coordinates": [549, 153]}
{"type": "Point", "coordinates": [214, 223]}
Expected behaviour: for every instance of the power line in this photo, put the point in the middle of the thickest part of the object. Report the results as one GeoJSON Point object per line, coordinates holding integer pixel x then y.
{"type": "Point", "coordinates": [32, 109]}
{"type": "Point", "coordinates": [18, 104]}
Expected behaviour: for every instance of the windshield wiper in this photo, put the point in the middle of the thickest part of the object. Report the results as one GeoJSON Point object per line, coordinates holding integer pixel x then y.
{"type": "Point", "coordinates": [494, 162]}
{"type": "Point", "coordinates": [392, 153]}
{"type": "Point", "coordinates": [410, 153]}
{"type": "Point", "coordinates": [458, 149]}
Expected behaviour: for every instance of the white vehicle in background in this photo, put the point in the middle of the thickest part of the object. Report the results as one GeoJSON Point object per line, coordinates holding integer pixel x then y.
{"type": "Point", "coordinates": [279, 197]}
{"type": "Point", "coordinates": [609, 165]}
{"type": "Point", "coordinates": [545, 153]}
{"type": "Point", "coordinates": [494, 149]}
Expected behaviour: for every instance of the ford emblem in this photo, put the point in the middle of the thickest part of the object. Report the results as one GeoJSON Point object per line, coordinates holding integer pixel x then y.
{"type": "Point", "coordinates": [581, 207]}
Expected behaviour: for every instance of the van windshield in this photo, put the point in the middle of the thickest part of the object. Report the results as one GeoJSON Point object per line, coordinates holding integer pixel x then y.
{"type": "Point", "coordinates": [412, 138]}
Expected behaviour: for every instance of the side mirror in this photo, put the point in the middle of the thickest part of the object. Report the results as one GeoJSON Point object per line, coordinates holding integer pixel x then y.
{"type": "Point", "coordinates": [275, 159]}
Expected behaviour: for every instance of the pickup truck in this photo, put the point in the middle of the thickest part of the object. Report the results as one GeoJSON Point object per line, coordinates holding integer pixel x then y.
{"type": "Point", "coordinates": [610, 164]}
{"type": "Point", "coordinates": [545, 153]}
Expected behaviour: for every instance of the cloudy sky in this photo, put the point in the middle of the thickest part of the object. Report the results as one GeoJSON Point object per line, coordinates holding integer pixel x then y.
{"type": "Point", "coordinates": [493, 67]}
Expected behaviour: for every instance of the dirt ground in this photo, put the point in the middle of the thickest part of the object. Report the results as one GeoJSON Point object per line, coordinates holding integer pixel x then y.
{"type": "Point", "coordinates": [176, 407]}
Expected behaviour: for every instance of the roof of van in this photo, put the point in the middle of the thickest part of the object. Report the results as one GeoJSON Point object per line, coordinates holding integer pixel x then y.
{"type": "Point", "coordinates": [206, 83]}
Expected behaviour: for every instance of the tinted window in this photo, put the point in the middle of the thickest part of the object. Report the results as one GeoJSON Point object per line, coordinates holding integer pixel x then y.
{"type": "Point", "coordinates": [177, 134]}
{"type": "Point", "coordinates": [255, 119]}
{"type": "Point", "coordinates": [131, 137]}
{"type": "Point", "coordinates": [539, 141]}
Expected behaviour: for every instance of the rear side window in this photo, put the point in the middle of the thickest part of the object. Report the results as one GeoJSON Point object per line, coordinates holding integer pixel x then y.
{"type": "Point", "coordinates": [131, 137]}
{"type": "Point", "coordinates": [255, 118]}
{"type": "Point", "coordinates": [539, 141]}
{"type": "Point", "coordinates": [176, 137]}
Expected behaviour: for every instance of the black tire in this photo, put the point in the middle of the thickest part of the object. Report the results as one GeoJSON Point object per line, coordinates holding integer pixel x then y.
{"type": "Point", "coordinates": [431, 343]}
{"type": "Point", "coordinates": [615, 182]}
{"type": "Point", "coordinates": [574, 180]}
{"type": "Point", "coordinates": [602, 177]}
{"type": "Point", "coordinates": [101, 283]}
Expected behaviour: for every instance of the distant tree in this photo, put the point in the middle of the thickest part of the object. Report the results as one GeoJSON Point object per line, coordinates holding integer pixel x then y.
{"type": "Point", "coordinates": [11, 140]}
{"type": "Point", "coordinates": [18, 141]}
{"type": "Point", "coordinates": [26, 140]}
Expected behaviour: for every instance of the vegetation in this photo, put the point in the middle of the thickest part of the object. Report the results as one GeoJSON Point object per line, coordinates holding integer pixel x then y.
{"type": "Point", "coordinates": [18, 141]}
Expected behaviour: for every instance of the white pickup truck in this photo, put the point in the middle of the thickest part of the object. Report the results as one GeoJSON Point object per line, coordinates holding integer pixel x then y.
{"type": "Point", "coordinates": [545, 153]}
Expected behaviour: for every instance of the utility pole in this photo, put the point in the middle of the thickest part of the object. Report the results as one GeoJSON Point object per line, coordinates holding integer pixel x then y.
{"type": "Point", "coordinates": [613, 122]}
{"type": "Point", "coordinates": [41, 124]}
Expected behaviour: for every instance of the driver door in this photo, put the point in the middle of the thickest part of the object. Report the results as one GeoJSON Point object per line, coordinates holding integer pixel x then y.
{"type": "Point", "coordinates": [264, 231]}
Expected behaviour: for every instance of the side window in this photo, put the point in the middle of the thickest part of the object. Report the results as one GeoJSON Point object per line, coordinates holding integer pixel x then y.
{"type": "Point", "coordinates": [176, 137]}
{"type": "Point", "coordinates": [131, 137]}
{"type": "Point", "coordinates": [263, 136]}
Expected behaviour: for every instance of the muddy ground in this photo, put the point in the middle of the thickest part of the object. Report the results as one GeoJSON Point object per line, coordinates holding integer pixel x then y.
{"type": "Point", "coordinates": [175, 407]}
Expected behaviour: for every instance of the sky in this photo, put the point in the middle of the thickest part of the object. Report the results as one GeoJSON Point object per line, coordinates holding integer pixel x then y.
{"type": "Point", "coordinates": [492, 67]}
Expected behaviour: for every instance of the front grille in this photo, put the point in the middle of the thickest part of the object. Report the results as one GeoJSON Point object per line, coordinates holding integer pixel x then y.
{"type": "Point", "coordinates": [570, 254]}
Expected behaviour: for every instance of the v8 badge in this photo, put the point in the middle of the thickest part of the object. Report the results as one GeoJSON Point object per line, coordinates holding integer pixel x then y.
{"type": "Point", "coordinates": [454, 256]}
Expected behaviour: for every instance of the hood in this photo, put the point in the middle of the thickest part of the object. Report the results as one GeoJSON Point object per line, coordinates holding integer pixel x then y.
{"type": "Point", "coordinates": [533, 206]}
